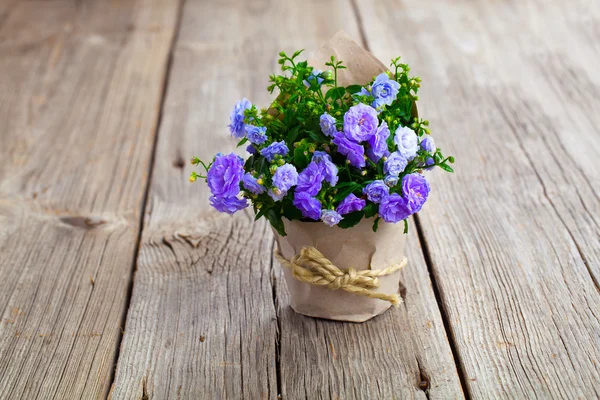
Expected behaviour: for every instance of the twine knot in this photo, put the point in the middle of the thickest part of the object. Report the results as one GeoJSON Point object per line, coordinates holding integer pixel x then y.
{"type": "Point", "coordinates": [311, 266]}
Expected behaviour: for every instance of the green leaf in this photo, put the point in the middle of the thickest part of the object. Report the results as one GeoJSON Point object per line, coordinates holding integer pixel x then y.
{"type": "Point", "coordinates": [446, 167]}
{"type": "Point", "coordinates": [276, 222]}
{"type": "Point", "coordinates": [300, 159]}
{"type": "Point", "coordinates": [351, 219]}
{"type": "Point", "coordinates": [376, 224]}
{"type": "Point", "coordinates": [292, 136]}
{"type": "Point", "coordinates": [335, 93]}
{"type": "Point", "coordinates": [317, 136]}
{"type": "Point", "coordinates": [341, 194]}
{"type": "Point", "coordinates": [371, 209]}
{"type": "Point", "coordinates": [292, 213]}
{"type": "Point", "coordinates": [242, 142]}
{"type": "Point", "coordinates": [406, 226]}
{"type": "Point", "coordinates": [353, 89]}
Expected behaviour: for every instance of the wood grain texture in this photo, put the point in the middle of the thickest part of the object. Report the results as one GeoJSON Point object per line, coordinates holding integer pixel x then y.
{"type": "Point", "coordinates": [80, 89]}
{"type": "Point", "coordinates": [203, 321]}
{"type": "Point", "coordinates": [401, 354]}
{"type": "Point", "coordinates": [513, 237]}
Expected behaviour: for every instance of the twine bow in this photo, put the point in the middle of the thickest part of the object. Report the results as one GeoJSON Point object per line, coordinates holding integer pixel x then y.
{"type": "Point", "coordinates": [311, 266]}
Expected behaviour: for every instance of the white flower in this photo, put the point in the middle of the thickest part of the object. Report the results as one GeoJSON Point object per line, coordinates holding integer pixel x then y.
{"type": "Point", "coordinates": [407, 142]}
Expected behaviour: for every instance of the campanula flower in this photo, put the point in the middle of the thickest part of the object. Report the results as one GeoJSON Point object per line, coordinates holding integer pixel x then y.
{"type": "Point", "coordinates": [394, 164]}
{"type": "Point", "coordinates": [251, 184]}
{"type": "Point", "coordinates": [309, 206]}
{"type": "Point", "coordinates": [407, 142]}
{"type": "Point", "coordinates": [228, 205]}
{"type": "Point", "coordinates": [415, 190]}
{"type": "Point", "coordinates": [285, 177]}
{"type": "Point", "coordinates": [327, 124]}
{"type": "Point", "coordinates": [275, 148]}
{"type": "Point", "coordinates": [330, 217]}
{"type": "Point", "coordinates": [376, 191]}
{"type": "Point", "coordinates": [378, 143]}
{"type": "Point", "coordinates": [428, 144]}
{"type": "Point", "coordinates": [330, 170]}
{"type": "Point", "coordinates": [351, 204]}
{"type": "Point", "coordinates": [236, 127]}
{"type": "Point", "coordinates": [354, 152]}
{"type": "Point", "coordinates": [224, 175]}
{"type": "Point", "coordinates": [384, 90]}
{"type": "Point", "coordinates": [256, 134]}
{"type": "Point", "coordinates": [394, 208]}
{"type": "Point", "coordinates": [310, 179]}
{"type": "Point", "coordinates": [360, 122]}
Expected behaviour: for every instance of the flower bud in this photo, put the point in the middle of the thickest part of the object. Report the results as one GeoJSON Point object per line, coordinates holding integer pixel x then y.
{"type": "Point", "coordinates": [260, 181]}
{"type": "Point", "coordinates": [273, 168]}
{"type": "Point", "coordinates": [363, 172]}
{"type": "Point", "coordinates": [193, 178]}
{"type": "Point", "coordinates": [327, 74]}
{"type": "Point", "coordinates": [281, 161]}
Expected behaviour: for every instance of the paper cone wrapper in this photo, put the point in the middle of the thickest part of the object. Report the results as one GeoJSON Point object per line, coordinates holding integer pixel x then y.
{"type": "Point", "coordinates": [359, 248]}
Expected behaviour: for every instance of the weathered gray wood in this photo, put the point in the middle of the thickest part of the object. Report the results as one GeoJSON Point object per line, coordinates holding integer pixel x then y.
{"type": "Point", "coordinates": [513, 237]}
{"type": "Point", "coordinates": [207, 276]}
{"type": "Point", "coordinates": [403, 353]}
{"type": "Point", "coordinates": [80, 89]}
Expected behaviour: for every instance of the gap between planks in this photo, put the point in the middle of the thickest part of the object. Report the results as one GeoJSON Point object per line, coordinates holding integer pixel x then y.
{"type": "Point", "coordinates": [164, 86]}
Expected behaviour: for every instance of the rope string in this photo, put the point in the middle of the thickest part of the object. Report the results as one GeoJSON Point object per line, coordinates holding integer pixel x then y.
{"type": "Point", "coordinates": [311, 266]}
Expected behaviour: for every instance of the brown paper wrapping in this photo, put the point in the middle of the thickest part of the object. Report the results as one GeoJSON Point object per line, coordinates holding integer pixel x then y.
{"type": "Point", "coordinates": [359, 248]}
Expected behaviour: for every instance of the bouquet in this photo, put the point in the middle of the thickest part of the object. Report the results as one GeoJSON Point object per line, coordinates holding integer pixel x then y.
{"type": "Point", "coordinates": [327, 152]}
{"type": "Point", "coordinates": [341, 146]}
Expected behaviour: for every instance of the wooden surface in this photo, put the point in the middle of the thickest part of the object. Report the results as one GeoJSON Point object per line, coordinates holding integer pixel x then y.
{"type": "Point", "coordinates": [102, 105]}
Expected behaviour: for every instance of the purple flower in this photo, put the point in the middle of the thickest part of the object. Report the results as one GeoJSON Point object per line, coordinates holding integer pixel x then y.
{"type": "Point", "coordinates": [395, 164]}
{"type": "Point", "coordinates": [251, 149]}
{"type": "Point", "coordinates": [310, 179]}
{"type": "Point", "coordinates": [224, 175]}
{"type": "Point", "coordinates": [428, 163]}
{"type": "Point", "coordinates": [309, 206]}
{"type": "Point", "coordinates": [407, 142]}
{"type": "Point", "coordinates": [251, 184]}
{"type": "Point", "coordinates": [285, 177]}
{"type": "Point", "coordinates": [391, 180]}
{"type": "Point", "coordinates": [327, 124]}
{"type": "Point", "coordinates": [354, 152]}
{"type": "Point", "coordinates": [330, 170]}
{"type": "Point", "coordinates": [228, 205]}
{"type": "Point", "coordinates": [376, 191]}
{"type": "Point", "coordinates": [275, 148]}
{"type": "Point", "coordinates": [428, 144]}
{"type": "Point", "coordinates": [384, 90]}
{"type": "Point", "coordinates": [314, 78]}
{"type": "Point", "coordinates": [330, 217]}
{"type": "Point", "coordinates": [378, 143]}
{"type": "Point", "coordinates": [415, 189]}
{"type": "Point", "coordinates": [351, 204]}
{"type": "Point", "coordinates": [277, 194]}
{"type": "Point", "coordinates": [256, 134]}
{"type": "Point", "coordinates": [237, 118]}
{"type": "Point", "coordinates": [394, 208]}
{"type": "Point", "coordinates": [360, 122]}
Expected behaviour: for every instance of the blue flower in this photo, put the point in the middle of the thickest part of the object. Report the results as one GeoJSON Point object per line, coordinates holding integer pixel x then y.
{"type": "Point", "coordinates": [237, 118]}
{"type": "Point", "coordinates": [309, 206]}
{"type": "Point", "coordinates": [224, 175]}
{"type": "Point", "coordinates": [391, 180]}
{"type": "Point", "coordinates": [251, 149]}
{"type": "Point", "coordinates": [394, 208]}
{"type": "Point", "coordinates": [285, 177]}
{"type": "Point", "coordinates": [277, 194]}
{"type": "Point", "coordinates": [314, 78]}
{"type": "Point", "coordinates": [330, 217]}
{"type": "Point", "coordinates": [378, 143]}
{"type": "Point", "coordinates": [276, 148]}
{"type": "Point", "coordinates": [228, 205]}
{"type": "Point", "coordinates": [407, 142]}
{"type": "Point", "coordinates": [251, 184]}
{"type": "Point", "coordinates": [395, 164]}
{"type": "Point", "coordinates": [256, 134]}
{"type": "Point", "coordinates": [360, 122]}
{"type": "Point", "coordinates": [428, 144]}
{"type": "Point", "coordinates": [384, 90]}
{"type": "Point", "coordinates": [415, 190]}
{"type": "Point", "coordinates": [310, 179]}
{"type": "Point", "coordinates": [327, 124]}
{"type": "Point", "coordinates": [351, 204]}
{"type": "Point", "coordinates": [329, 169]}
{"type": "Point", "coordinates": [376, 191]}
{"type": "Point", "coordinates": [353, 151]}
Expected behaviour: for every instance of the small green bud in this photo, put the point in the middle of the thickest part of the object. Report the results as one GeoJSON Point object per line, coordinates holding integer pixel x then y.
{"type": "Point", "coordinates": [193, 177]}
{"type": "Point", "coordinates": [327, 74]}
{"type": "Point", "coordinates": [363, 173]}
{"type": "Point", "coordinates": [259, 206]}
{"type": "Point", "coordinates": [260, 181]}
{"type": "Point", "coordinates": [272, 169]}
{"type": "Point", "coordinates": [280, 161]}
{"type": "Point", "coordinates": [195, 161]}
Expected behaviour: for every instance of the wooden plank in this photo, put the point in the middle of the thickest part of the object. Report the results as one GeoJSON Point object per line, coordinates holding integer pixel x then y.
{"type": "Point", "coordinates": [204, 276]}
{"type": "Point", "coordinates": [513, 236]}
{"type": "Point", "coordinates": [80, 90]}
{"type": "Point", "coordinates": [403, 353]}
